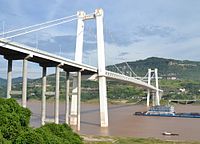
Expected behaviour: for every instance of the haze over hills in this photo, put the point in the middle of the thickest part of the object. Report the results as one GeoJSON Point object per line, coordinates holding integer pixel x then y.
{"type": "Point", "coordinates": [17, 80]}
{"type": "Point", "coordinates": [167, 68]}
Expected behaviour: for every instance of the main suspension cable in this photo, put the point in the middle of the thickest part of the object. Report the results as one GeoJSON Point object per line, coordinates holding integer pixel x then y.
{"type": "Point", "coordinates": [118, 69]}
{"type": "Point", "coordinates": [36, 25]}
{"type": "Point", "coordinates": [38, 29]}
{"type": "Point", "coordinates": [131, 69]}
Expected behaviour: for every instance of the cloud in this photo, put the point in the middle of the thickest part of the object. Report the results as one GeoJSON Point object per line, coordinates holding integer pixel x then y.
{"type": "Point", "coordinates": [154, 46]}
{"type": "Point", "coordinates": [152, 30]}
{"type": "Point", "coordinates": [123, 54]}
{"type": "Point", "coordinates": [133, 29]}
{"type": "Point", "coordinates": [138, 34]}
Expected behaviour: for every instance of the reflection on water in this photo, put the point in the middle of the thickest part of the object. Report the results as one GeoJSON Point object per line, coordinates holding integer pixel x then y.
{"type": "Point", "coordinates": [122, 122]}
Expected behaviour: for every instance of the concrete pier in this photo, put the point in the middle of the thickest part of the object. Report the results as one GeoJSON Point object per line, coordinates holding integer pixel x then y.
{"type": "Point", "coordinates": [57, 94]}
{"type": "Point", "coordinates": [67, 98]}
{"type": "Point", "coordinates": [73, 114]}
{"type": "Point", "coordinates": [79, 100]}
{"type": "Point", "coordinates": [24, 82]}
{"type": "Point", "coordinates": [9, 78]}
{"type": "Point", "coordinates": [43, 109]}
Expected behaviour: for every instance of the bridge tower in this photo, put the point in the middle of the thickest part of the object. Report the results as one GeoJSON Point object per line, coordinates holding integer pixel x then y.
{"type": "Point", "coordinates": [156, 94]}
{"type": "Point", "coordinates": [101, 67]}
{"type": "Point", "coordinates": [149, 82]}
{"type": "Point", "coordinates": [78, 58]}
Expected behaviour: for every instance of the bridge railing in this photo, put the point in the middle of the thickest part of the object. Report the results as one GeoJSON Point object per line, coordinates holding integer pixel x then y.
{"type": "Point", "coordinates": [131, 80]}
{"type": "Point", "coordinates": [43, 54]}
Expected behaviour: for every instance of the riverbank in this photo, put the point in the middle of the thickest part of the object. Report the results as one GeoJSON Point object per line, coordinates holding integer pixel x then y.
{"type": "Point", "coordinates": [130, 140]}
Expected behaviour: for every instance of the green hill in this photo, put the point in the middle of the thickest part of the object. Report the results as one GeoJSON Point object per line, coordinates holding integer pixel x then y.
{"type": "Point", "coordinates": [167, 68]}
{"type": "Point", "coordinates": [2, 82]}
{"type": "Point", "coordinates": [186, 74]}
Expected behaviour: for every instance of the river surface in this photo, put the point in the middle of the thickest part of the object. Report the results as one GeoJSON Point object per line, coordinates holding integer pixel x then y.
{"type": "Point", "coordinates": [122, 122]}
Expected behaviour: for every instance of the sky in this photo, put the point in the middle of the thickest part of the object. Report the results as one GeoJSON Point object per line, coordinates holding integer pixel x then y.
{"type": "Point", "coordinates": [133, 29]}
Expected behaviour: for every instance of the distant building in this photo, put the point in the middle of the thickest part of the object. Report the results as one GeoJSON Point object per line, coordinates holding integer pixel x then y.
{"type": "Point", "coordinates": [172, 78]}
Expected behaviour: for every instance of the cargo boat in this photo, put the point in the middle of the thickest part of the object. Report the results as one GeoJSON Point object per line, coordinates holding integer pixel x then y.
{"type": "Point", "coordinates": [166, 111]}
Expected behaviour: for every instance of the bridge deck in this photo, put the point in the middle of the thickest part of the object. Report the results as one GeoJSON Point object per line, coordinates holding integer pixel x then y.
{"type": "Point", "coordinates": [16, 51]}
{"type": "Point", "coordinates": [131, 80]}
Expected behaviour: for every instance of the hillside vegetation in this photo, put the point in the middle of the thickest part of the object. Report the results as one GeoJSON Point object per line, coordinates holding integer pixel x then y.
{"type": "Point", "coordinates": [174, 76]}
{"type": "Point", "coordinates": [167, 68]}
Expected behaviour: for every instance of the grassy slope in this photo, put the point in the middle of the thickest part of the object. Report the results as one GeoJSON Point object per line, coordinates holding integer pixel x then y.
{"type": "Point", "coordinates": [123, 140]}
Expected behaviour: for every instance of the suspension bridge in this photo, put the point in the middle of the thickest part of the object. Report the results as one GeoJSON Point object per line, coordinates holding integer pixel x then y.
{"type": "Point", "coordinates": [16, 51]}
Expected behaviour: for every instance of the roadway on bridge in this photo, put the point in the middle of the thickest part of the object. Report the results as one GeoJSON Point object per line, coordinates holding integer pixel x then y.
{"type": "Point", "coordinates": [16, 51]}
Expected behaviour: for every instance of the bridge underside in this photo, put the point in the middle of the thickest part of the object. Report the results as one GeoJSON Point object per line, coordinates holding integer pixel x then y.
{"type": "Point", "coordinates": [12, 51]}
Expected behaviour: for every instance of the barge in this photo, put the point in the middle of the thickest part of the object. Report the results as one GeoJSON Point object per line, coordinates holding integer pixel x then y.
{"type": "Point", "coordinates": [166, 111]}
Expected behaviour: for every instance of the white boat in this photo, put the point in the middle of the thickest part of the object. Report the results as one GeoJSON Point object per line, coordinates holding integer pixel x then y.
{"type": "Point", "coordinates": [169, 134]}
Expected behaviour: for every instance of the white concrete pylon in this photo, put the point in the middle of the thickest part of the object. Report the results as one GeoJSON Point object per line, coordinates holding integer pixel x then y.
{"type": "Point", "coordinates": [157, 87]}
{"type": "Point", "coordinates": [149, 82]}
{"type": "Point", "coordinates": [101, 69]}
{"type": "Point", "coordinates": [79, 37]}
{"type": "Point", "coordinates": [78, 58]}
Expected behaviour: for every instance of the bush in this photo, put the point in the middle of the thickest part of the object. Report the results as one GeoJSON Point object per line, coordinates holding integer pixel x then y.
{"type": "Point", "coordinates": [14, 128]}
{"type": "Point", "coordinates": [48, 137]}
{"type": "Point", "coordinates": [62, 133]}
{"type": "Point", "coordinates": [29, 137]}
{"type": "Point", "coordinates": [11, 106]}
{"type": "Point", "coordinates": [3, 140]}
{"type": "Point", "coordinates": [13, 118]}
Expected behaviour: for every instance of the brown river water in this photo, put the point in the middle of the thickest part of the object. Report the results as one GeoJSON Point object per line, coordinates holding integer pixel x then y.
{"type": "Point", "coordinates": [122, 122]}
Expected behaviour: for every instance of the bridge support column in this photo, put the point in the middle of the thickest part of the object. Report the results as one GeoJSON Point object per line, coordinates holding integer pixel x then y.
{"type": "Point", "coordinates": [79, 100]}
{"type": "Point", "coordinates": [57, 94]}
{"type": "Point", "coordinates": [78, 58]}
{"type": "Point", "coordinates": [67, 98]}
{"type": "Point", "coordinates": [157, 88]}
{"type": "Point", "coordinates": [43, 110]}
{"type": "Point", "coordinates": [160, 95]}
{"type": "Point", "coordinates": [103, 102]}
{"type": "Point", "coordinates": [73, 114]}
{"type": "Point", "coordinates": [101, 68]}
{"type": "Point", "coordinates": [148, 91]}
{"type": "Point", "coordinates": [153, 98]}
{"type": "Point", "coordinates": [9, 78]}
{"type": "Point", "coordinates": [24, 83]}
{"type": "Point", "coordinates": [148, 97]}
